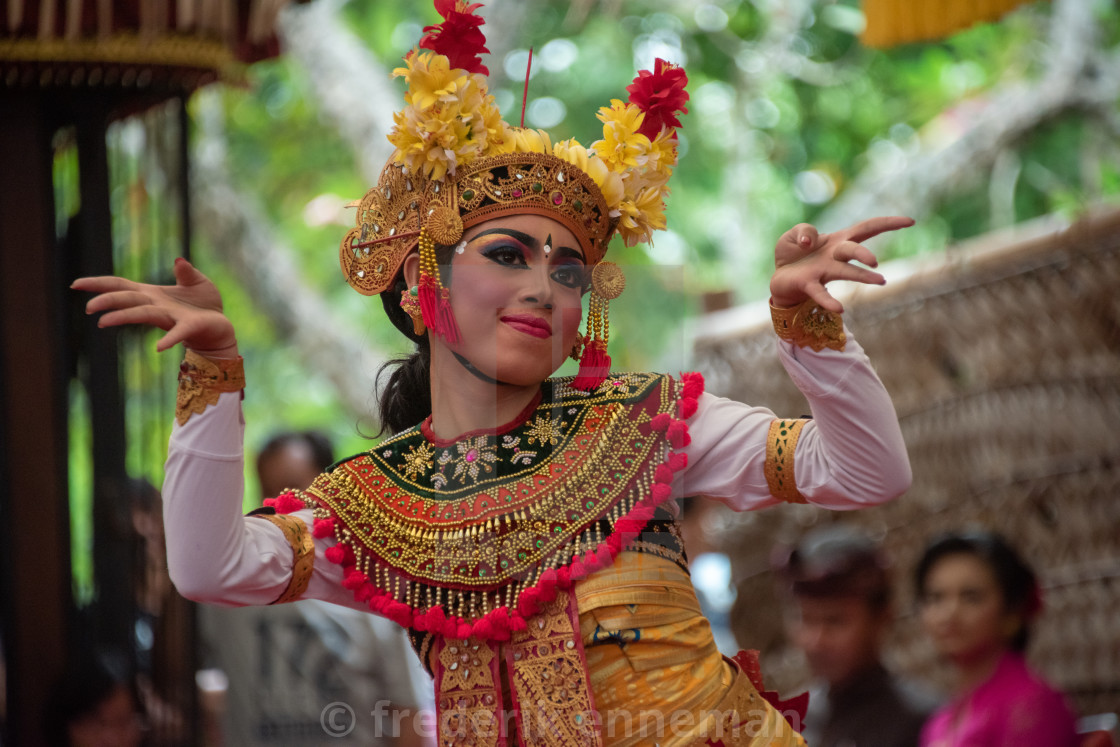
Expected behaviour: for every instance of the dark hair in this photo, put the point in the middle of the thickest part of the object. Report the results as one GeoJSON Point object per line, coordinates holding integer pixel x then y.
{"type": "Point", "coordinates": [1017, 582]}
{"type": "Point", "coordinates": [86, 683]}
{"type": "Point", "coordinates": [837, 561]}
{"type": "Point", "coordinates": [322, 452]}
{"type": "Point", "coordinates": [406, 398]}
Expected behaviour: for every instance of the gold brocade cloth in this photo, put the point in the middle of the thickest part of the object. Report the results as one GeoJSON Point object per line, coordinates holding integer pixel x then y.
{"type": "Point", "coordinates": [656, 674]}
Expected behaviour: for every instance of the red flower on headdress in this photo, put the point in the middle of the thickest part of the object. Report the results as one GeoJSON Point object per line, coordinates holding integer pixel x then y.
{"type": "Point", "coordinates": [459, 37]}
{"type": "Point", "coordinates": [660, 95]}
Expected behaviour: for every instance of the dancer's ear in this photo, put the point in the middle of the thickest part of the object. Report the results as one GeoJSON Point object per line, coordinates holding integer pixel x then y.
{"type": "Point", "coordinates": [411, 269]}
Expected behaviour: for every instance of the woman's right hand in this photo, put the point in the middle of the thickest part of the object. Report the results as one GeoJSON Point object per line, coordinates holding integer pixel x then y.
{"type": "Point", "coordinates": [189, 312]}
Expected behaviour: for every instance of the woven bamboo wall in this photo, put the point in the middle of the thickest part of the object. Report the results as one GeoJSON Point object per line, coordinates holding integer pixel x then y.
{"type": "Point", "coordinates": [1003, 360]}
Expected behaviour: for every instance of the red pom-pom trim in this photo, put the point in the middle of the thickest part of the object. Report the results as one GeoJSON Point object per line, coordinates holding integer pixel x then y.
{"type": "Point", "coordinates": [693, 385]}
{"type": "Point", "coordinates": [323, 528]}
{"type": "Point", "coordinates": [687, 408]}
{"type": "Point", "coordinates": [678, 434]}
{"type": "Point", "coordinates": [354, 579]}
{"type": "Point", "coordinates": [563, 579]}
{"type": "Point", "coordinates": [287, 503]}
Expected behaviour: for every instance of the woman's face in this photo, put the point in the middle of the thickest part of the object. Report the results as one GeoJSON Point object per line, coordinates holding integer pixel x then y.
{"type": "Point", "coordinates": [963, 610]}
{"type": "Point", "coordinates": [516, 289]}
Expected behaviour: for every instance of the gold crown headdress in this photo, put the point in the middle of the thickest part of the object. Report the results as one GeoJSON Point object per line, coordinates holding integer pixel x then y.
{"type": "Point", "coordinates": [457, 164]}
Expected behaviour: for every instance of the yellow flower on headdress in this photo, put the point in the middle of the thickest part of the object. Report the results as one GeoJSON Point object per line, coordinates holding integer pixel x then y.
{"type": "Point", "coordinates": [430, 79]}
{"type": "Point", "coordinates": [622, 143]}
{"type": "Point", "coordinates": [642, 215]}
{"type": "Point", "coordinates": [530, 141]}
{"type": "Point", "coordinates": [498, 136]}
{"type": "Point", "coordinates": [449, 118]}
{"type": "Point", "coordinates": [662, 154]}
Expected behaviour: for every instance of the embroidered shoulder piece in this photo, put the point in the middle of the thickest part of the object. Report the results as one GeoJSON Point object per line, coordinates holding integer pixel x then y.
{"type": "Point", "coordinates": [470, 538]}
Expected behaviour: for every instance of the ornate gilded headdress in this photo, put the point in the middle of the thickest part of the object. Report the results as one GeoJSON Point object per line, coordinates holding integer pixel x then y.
{"type": "Point", "coordinates": [457, 163]}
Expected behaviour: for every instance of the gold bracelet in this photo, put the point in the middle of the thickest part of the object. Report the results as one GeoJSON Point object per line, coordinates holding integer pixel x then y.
{"type": "Point", "coordinates": [303, 554]}
{"type": "Point", "coordinates": [809, 325]}
{"type": "Point", "coordinates": [781, 443]}
{"type": "Point", "coordinates": [202, 380]}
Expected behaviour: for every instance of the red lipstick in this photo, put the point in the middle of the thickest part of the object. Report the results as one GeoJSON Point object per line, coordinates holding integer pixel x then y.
{"type": "Point", "coordinates": [529, 324]}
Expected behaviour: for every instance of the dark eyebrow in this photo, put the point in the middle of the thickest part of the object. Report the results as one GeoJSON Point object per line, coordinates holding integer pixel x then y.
{"type": "Point", "coordinates": [524, 238]}
{"type": "Point", "coordinates": [564, 251]}
{"type": "Point", "coordinates": [529, 241]}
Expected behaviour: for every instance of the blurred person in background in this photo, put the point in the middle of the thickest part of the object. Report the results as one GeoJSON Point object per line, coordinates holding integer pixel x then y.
{"type": "Point", "coordinates": [94, 704]}
{"type": "Point", "coordinates": [292, 459]}
{"type": "Point", "coordinates": [978, 599]}
{"type": "Point", "coordinates": [840, 612]}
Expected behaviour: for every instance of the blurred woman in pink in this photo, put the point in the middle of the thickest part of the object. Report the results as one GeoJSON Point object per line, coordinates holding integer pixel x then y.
{"type": "Point", "coordinates": [978, 599]}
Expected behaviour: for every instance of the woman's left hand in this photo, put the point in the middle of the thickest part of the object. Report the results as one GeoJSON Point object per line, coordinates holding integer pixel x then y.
{"type": "Point", "coordinates": [804, 261]}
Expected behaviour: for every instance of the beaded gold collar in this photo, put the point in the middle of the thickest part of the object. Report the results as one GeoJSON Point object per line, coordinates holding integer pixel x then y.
{"type": "Point", "coordinates": [469, 538]}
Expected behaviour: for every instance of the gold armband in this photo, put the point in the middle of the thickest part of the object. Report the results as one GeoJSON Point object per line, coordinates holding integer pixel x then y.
{"type": "Point", "coordinates": [808, 325]}
{"type": "Point", "coordinates": [303, 554]}
{"type": "Point", "coordinates": [202, 380]}
{"type": "Point", "coordinates": [781, 442]}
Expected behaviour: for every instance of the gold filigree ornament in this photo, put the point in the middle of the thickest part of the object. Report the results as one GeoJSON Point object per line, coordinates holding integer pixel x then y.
{"type": "Point", "coordinates": [388, 226]}
{"type": "Point", "coordinates": [809, 325]}
{"type": "Point", "coordinates": [203, 380]}
{"type": "Point", "coordinates": [444, 225]}
{"type": "Point", "coordinates": [608, 280]}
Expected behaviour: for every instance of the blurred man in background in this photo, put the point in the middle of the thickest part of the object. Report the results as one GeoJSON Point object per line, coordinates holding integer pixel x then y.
{"type": "Point", "coordinates": [840, 612]}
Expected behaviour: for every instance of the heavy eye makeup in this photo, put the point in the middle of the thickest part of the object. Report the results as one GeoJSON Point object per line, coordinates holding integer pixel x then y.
{"type": "Point", "coordinates": [568, 270]}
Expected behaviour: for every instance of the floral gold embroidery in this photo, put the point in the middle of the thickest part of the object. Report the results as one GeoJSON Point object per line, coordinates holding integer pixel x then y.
{"type": "Point", "coordinates": [545, 431]}
{"type": "Point", "coordinates": [520, 456]}
{"type": "Point", "coordinates": [418, 460]}
{"type": "Point", "coordinates": [473, 457]}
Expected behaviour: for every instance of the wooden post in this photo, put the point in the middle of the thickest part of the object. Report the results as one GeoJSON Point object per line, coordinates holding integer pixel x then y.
{"type": "Point", "coordinates": [33, 428]}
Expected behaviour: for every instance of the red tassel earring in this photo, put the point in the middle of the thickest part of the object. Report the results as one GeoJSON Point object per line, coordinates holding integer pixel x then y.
{"type": "Point", "coordinates": [435, 300]}
{"type": "Point", "coordinates": [607, 282]}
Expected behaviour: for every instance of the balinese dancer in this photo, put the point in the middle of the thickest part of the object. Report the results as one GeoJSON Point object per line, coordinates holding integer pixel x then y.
{"type": "Point", "coordinates": [522, 527]}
